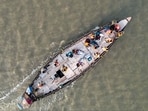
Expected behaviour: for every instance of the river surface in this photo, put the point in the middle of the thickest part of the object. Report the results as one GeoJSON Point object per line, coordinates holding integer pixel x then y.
{"type": "Point", "coordinates": [32, 30]}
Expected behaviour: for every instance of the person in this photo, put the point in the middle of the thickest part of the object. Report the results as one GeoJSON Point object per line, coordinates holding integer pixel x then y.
{"type": "Point", "coordinates": [112, 27]}
{"type": "Point", "coordinates": [94, 43]}
{"type": "Point", "coordinates": [91, 35]}
{"type": "Point", "coordinates": [97, 55]}
{"type": "Point", "coordinates": [87, 42]}
{"type": "Point", "coordinates": [88, 57]}
{"type": "Point", "coordinates": [98, 36]}
{"type": "Point", "coordinates": [78, 51]}
{"type": "Point", "coordinates": [40, 84]}
{"type": "Point", "coordinates": [43, 70]}
{"type": "Point", "coordinates": [80, 63]}
{"type": "Point", "coordinates": [109, 40]}
{"type": "Point", "coordinates": [69, 54]}
{"type": "Point", "coordinates": [105, 49]}
{"type": "Point", "coordinates": [64, 68]}
{"type": "Point", "coordinates": [115, 27]}
{"type": "Point", "coordinates": [75, 51]}
{"type": "Point", "coordinates": [120, 34]}
{"type": "Point", "coordinates": [108, 31]}
{"type": "Point", "coordinates": [56, 63]}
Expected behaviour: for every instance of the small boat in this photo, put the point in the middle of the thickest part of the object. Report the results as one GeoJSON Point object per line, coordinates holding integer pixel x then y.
{"type": "Point", "coordinates": [72, 62]}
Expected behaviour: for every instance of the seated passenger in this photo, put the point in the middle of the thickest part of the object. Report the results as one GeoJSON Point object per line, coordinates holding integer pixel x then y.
{"type": "Point", "coordinates": [108, 31]}
{"type": "Point", "coordinates": [119, 34]}
{"type": "Point", "coordinates": [105, 49]}
{"type": "Point", "coordinates": [56, 63]}
{"type": "Point", "coordinates": [75, 51]}
{"type": "Point", "coordinates": [112, 27]}
{"type": "Point", "coordinates": [43, 70]}
{"type": "Point", "coordinates": [80, 63]}
{"type": "Point", "coordinates": [109, 40]}
{"type": "Point", "coordinates": [69, 54]}
{"type": "Point", "coordinates": [98, 35]}
{"type": "Point", "coordinates": [94, 43]}
{"type": "Point", "coordinates": [115, 27]}
{"type": "Point", "coordinates": [87, 42]}
{"type": "Point", "coordinates": [91, 35]}
{"type": "Point", "coordinates": [88, 57]}
{"type": "Point", "coordinates": [97, 55]}
{"type": "Point", "coordinates": [40, 84]}
{"type": "Point", "coordinates": [64, 68]}
{"type": "Point", "coordinates": [78, 51]}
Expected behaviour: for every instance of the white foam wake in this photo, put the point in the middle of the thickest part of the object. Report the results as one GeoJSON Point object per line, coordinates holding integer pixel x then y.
{"type": "Point", "coordinates": [19, 84]}
{"type": "Point", "coordinates": [26, 78]}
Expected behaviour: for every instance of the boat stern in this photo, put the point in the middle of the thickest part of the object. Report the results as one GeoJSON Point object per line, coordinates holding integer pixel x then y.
{"type": "Point", "coordinates": [24, 103]}
{"type": "Point", "coordinates": [26, 99]}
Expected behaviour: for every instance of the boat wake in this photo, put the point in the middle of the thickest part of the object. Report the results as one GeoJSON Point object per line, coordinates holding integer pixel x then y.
{"type": "Point", "coordinates": [7, 106]}
{"type": "Point", "coordinates": [19, 84]}
{"type": "Point", "coordinates": [5, 95]}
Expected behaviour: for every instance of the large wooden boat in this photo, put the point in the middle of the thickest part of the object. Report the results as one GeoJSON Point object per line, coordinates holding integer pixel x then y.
{"type": "Point", "coordinates": [72, 61]}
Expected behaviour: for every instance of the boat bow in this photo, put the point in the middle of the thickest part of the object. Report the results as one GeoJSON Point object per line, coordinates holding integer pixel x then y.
{"type": "Point", "coordinates": [123, 23]}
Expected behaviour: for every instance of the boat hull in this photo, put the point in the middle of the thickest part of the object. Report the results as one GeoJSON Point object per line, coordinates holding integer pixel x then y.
{"type": "Point", "coordinates": [63, 78]}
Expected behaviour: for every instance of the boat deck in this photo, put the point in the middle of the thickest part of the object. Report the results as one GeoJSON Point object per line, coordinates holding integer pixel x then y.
{"type": "Point", "coordinates": [72, 62]}
{"type": "Point", "coordinates": [67, 66]}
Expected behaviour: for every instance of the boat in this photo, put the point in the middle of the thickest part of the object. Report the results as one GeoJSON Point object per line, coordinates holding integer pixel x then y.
{"type": "Point", "coordinates": [72, 61]}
